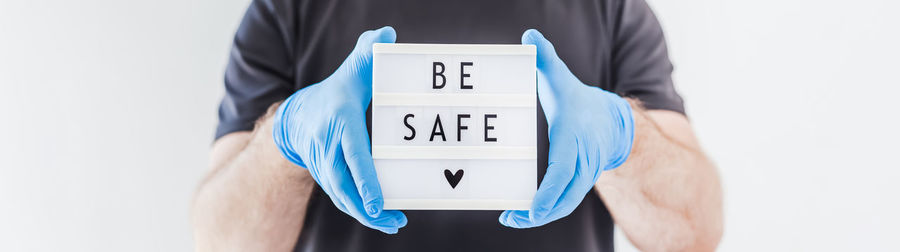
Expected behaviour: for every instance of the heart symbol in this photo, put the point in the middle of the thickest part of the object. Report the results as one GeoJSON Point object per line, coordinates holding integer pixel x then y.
{"type": "Point", "coordinates": [453, 179]}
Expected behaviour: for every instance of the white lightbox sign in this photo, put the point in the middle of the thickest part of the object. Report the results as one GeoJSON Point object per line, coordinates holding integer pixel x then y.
{"type": "Point", "coordinates": [455, 126]}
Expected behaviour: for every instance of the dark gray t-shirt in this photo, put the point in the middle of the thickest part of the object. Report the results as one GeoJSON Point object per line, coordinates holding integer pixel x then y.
{"type": "Point", "coordinates": [282, 46]}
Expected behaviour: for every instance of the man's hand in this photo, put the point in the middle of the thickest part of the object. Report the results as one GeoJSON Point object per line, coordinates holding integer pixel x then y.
{"type": "Point", "coordinates": [322, 128]}
{"type": "Point", "coordinates": [590, 131]}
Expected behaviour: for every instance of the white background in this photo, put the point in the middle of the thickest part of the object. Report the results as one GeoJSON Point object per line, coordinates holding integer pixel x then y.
{"type": "Point", "coordinates": [108, 109]}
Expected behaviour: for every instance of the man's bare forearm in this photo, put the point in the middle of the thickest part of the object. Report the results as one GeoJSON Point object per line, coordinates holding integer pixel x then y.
{"type": "Point", "coordinates": [252, 199]}
{"type": "Point", "coordinates": [667, 196]}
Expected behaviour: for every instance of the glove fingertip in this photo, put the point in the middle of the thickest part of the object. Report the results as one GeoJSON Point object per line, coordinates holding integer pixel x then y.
{"type": "Point", "coordinates": [546, 53]}
{"type": "Point", "coordinates": [386, 34]}
{"type": "Point", "coordinates": [514, 219]}
{"type": "Point", "coordinates": [402, 221]}
{"type": "Point", "coordinates": [505, 221]}
{"type": "Point", "coordinates": [374, 207]}
{"type": "Point", "coordinates": [531, 37]}
{"type": "Point", "coordinates": [503, 216]}
{"type": "Point", "coordinates": [397, 218]}
{"type": "Point", "coordinates": [390, 230]}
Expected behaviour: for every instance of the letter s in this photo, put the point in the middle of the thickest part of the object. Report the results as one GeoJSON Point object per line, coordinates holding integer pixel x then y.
{"type": "Point", "coordinates": [413, 130]}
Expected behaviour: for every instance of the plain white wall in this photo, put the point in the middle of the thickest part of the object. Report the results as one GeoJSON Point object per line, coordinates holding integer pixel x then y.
{"type": "Point", "coordinates": [796, 101]}
{"type": "Point", "coordinates": [108, 109]}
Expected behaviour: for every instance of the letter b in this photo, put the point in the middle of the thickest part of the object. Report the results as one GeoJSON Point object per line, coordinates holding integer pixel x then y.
{"type": "Point", "coordinates": [434, 83]}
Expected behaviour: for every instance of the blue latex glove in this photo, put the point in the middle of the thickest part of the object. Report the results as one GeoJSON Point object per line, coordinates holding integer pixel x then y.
{"type": "Point", "coordinates": [590, 130]}
{"type": "Point", "coordinates": [323, 128]}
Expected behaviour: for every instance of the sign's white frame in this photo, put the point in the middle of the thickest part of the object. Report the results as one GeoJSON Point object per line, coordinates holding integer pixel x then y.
{"type": "Point", "coordinates": [521, 158]}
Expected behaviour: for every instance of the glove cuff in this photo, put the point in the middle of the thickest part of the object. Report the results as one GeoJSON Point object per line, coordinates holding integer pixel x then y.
{"type": "Point", "coordinates": [280, 130]}
{"type": "Point", "coordinates": [625, 134]}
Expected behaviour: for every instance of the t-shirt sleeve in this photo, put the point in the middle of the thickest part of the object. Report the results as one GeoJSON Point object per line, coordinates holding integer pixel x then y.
{"type": "Point", "coordinates": [641, 66]}
{"type": "Point", "coordinates": [259, 71]}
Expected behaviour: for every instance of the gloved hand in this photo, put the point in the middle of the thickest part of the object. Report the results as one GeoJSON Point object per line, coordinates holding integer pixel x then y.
{"type": "Point", "coordinates": [591, 130]}
{"type": "Point", "coordinates": [323, 128]}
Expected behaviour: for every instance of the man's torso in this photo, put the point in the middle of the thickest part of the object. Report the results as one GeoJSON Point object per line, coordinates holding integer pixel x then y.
{"type": "Point", "coordinates": [321, 35]}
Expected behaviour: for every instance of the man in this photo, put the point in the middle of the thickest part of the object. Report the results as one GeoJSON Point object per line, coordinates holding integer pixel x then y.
{"type": "Point", "coordinates": [302, 69]}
